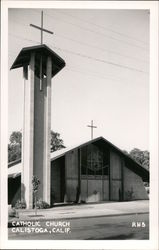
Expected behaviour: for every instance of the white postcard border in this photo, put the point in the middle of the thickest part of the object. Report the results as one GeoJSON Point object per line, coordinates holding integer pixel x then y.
{"type": "Point", "coordinates": [153, 136]}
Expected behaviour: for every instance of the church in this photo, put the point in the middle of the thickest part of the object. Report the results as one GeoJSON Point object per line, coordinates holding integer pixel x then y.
{"type": "Point", "coordinates": [90, 172]}
{"type": "Point", "coordinates": [93, 171]}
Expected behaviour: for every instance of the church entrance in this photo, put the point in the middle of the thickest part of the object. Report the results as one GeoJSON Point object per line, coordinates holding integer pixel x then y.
{"type": "Point", "coordinates": [58, 180]}
{"type": "Point", "coordinates": [94, 173]}
{"type": "Point", "coordinates": [14, 190]}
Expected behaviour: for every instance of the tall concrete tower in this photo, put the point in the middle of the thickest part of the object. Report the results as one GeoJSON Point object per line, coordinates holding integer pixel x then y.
{"type": "Point", "coordinates": [39, 64]}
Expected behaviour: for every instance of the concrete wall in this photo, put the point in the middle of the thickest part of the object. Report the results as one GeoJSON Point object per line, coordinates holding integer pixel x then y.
{"type": "Point", "coordinates": [83, 189]}
{"type": "Point", "coordinates": [94, 190]}
{"type": "Point", "coordinates": [71, 173]}
{"type": "Point", "coordinates": [28, 133]}
{"type": "Point", "coordinates": [47, 130]}
{"type": "Point", "coordinates": [39, 134]}
{"type": "Point", "coordinates": [42, 128]}
{"type": "Point", "coordinates": [115, 175]}
{"type": "Point", "coordinates": [106, 189]}
{"type": "Point", "coordinates": [133, 186]}
{"type": "Point", "coordinates": [36, 132]}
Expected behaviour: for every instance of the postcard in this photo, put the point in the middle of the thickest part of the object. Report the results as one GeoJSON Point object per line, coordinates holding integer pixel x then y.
{"type": "Point", "coordinates": [79, 125]}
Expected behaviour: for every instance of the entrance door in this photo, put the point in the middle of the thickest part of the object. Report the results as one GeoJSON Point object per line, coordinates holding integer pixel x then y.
{"type": "Point", "coordinates": [57, 180]}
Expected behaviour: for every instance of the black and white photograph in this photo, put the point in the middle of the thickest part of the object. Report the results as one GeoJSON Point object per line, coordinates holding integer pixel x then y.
{"type": "Point", "coordinates": [78, 124]}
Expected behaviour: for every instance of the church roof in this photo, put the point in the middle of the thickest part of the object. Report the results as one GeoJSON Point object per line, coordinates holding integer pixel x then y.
{"type": "Point", "coordinates": [15, 170]}
{"type": "Point", "coordinates": [131, 163]}
{"type": "Point", "coordinates": [41, 50]}
{"type": "Point", "coordinates": [61, 152]}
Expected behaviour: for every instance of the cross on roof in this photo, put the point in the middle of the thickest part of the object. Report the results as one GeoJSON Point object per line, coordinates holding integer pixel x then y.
{"type": "Point", "coordinates": [41, 28]}
{"type": "Point", "coordinates": [92, 127]}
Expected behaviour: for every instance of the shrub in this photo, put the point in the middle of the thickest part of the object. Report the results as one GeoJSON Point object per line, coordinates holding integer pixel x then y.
{"type": "Point", "coordinates": [42, 204]}
{"type": "Point", "coordinates": [20, 204]}
{"type": "Point", "coordinates": [130, 195]}
{"type": "Point", "coordinates": [147, 190]}
{"type": "Point", "coordinates": [12, 212]}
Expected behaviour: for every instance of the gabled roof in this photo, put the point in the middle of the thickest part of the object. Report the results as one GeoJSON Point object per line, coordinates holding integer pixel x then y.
{"type": "Point", "coordinates": [61, 152]}
{"type": "Point", "coordinates": [15, 170]}
{"type": "Point", "coordinates": [131, 163]}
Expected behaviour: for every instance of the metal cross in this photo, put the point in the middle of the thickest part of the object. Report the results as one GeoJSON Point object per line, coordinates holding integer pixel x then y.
{"type": "Point", "coordinates": [92, 127]}
{"type": "Point", "coordinates": [42, 30]}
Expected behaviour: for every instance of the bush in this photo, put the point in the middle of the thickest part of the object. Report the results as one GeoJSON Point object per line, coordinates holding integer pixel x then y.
{"type": "Point", "coordinates": [20, 204]}
{"type": "Point", "coordinates": [12, 212]}
{"type": "Point", "coordinates": [147, 190]}
{"type": "Point", "coordinates": [42, 204]}
{"type": "Point", "coordinates": [130, 195]}
{"type": "Point", "coordinates": [146, 184]}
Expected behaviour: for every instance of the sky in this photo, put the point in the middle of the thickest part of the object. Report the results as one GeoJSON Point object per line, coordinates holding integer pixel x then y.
{"type": "Point", "coordinates": [106, 77]}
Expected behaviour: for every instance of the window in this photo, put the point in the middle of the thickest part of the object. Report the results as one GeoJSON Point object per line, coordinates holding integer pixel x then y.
{"type": "Point", "coordinates": [94, 161]}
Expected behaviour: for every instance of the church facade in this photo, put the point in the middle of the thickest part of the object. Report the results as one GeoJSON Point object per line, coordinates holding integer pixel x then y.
{"type": "Point", "coordinates": [94, 171]}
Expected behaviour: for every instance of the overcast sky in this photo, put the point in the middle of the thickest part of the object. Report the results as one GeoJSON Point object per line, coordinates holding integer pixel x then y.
{"type": "Point", "coordinates": [106, 77]}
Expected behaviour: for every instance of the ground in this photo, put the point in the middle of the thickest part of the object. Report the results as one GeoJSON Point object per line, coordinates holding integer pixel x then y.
{"type": "Point", "coordinates": [120, 220]}
{"type": "Point", "coordinates": [102, 228]}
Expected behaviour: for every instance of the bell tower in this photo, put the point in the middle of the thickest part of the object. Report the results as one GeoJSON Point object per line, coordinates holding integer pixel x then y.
{"type": "Point", "coordinates": [40, 64]}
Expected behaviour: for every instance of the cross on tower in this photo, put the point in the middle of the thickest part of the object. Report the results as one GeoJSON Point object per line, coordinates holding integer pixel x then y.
{"type": "Point", "coordinates": [92, 127]}
{"type": "Point", "coordinates": [42, 30]}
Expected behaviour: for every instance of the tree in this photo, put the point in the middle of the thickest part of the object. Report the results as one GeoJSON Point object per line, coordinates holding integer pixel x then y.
{"type": "Point", "coordinates": [35, 184]}
{"type": "Point", "coordinates": [16, 137]}
{"type": "Point", "coordinates": [125, 152]}
{"type": "Point", "coordinates": [56, 142]}
{"type": "Point", "coordinates": [14, 147]}
{"type": "Point", "coordinates": [15, 144]}
{"type": "Point", "coordinates": [142, 157]}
